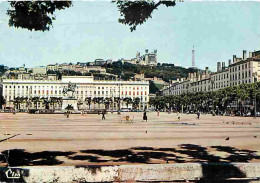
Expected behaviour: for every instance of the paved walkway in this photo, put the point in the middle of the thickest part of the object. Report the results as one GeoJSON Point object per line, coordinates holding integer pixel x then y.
{"type": "Point", "coordinates": [81, 140]}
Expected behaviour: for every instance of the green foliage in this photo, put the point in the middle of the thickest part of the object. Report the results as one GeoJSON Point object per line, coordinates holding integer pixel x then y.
{"type": "Point", "coordinates": [202, 100]}
{"type": "Point", "coordinates": [2, 70]}
{"type": "Point", "coordinates": [2, 101]}
{"type": "Point", "coordinates": [128, 101]}
{"type": "Point", "coordinates": [153, 88]}
{"type": "Point", "coordinates": [35, 15]}
{"type": "Point", "coordinates": [134, 13]}
{"type": "Point", "coordinates": [165, 71]}
{"type": "Point", "coordinates": [69, 107]}
{"type": "Point", "coordinates": [59, 75]}
{"type": "Point", "coordinates": [136, 102]}
{"type": "Point", "coordinates": [39, 15]}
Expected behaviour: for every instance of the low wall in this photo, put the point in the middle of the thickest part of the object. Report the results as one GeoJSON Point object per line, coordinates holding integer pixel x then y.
{"type": "Point", "coordinates": [152, 172]}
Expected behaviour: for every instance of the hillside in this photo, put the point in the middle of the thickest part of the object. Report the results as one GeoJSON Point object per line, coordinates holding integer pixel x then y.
{"type": "Point", "coordinates": [165, 71]}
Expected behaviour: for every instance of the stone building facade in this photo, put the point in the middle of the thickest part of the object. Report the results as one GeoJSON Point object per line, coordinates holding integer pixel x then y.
{"type": "Point", "coordinates": [86, 87]}
{"type": "Point", "coordinates": [241, 70]}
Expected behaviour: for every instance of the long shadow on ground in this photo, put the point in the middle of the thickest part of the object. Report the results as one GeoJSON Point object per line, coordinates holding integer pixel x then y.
{"type": "Point", "coordinates": [19, 157]}
{"type": "Point", "coordinates": [183, 154]}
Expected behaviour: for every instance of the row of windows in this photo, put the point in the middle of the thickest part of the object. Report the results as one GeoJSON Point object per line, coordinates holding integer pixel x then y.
{"type": "Point", "coordinates": [239, 76]}
{"type": "Point", "coordinates": [134, 88]}
{"type": "Point", "coordinates": [220, 77]}
{"type": "Point", "coordinates": [239, 67]}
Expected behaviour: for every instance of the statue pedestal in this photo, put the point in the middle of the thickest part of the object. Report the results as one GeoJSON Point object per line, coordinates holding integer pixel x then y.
{"type": "Point", "coordinates": [69, 101]}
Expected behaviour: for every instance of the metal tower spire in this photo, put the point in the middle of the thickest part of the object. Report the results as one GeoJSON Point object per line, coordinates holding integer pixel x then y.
{"type": "Point", "coordinates": [193, 57]}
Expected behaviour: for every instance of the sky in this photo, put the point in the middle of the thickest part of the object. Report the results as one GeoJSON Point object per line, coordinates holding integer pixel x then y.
{"type": "Point", "coordinates": [90, 30]}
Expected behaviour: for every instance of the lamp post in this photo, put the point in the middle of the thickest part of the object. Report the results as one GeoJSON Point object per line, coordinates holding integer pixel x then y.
{"type": "Point", "coordinates": [213, 108]}
{"type": "Point", "coordinates": [112, 96]}
{"type": "Point", "coordinates": [255, 103]}
{"type": "Point", "coordinates": [13, 84]}
{"type": "Point", "coordinates": [255, 80]}
{"type": "Point", "coordinates": [119, 102]}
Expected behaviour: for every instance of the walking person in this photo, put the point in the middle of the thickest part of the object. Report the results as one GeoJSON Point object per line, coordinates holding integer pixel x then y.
{"type": "Point", "coordinates": [145, 116]}
{"type": "Point", "coordinates": [68, 114]}
{"type": "Point", "coordinates": [103, 115]}
{"type": "Point", "coordinates": [179, 117]}
{"type": "Point", "coordinates": [198, 114]}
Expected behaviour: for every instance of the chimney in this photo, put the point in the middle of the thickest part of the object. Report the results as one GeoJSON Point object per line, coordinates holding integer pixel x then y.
{"type": "Point", "coordinates": [200, 76]}
{"type": "Point", "coordinates": [229, 62]}
{"type": "Point", "coordinates": [234, 59]}
{"type": "Point", "coordinates": [250, 54]}
{"type": "Point", "coordinates": [244, 54]}
{"type": "Point", "coordinates": [191, 76]}
{"type": "Point", "coordinates": [218, 66]}
{"type": "Point", "coordinates": [223, 66]}
{"type": "Point", "coordinates": [206, 72]}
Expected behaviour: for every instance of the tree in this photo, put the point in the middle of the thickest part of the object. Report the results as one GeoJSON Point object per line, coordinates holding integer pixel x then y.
{"type": "Point", "coordinates": [128, 101]}
{"type": "Point", "coordinates": [46, 102]}
{"type": "Point", "coordinates": [137, 12]}
{"type": "Point", "coordinates": [69, 107]}
{"type": "Point", "coordinates": [107, 102]}
{"type": "Point", "coordinates": [35, 15]}
{"type": "Point", "coordinates": [79, 103]}
{"type": "Point", "coordinates": [59, 101]}
{"type": "Point", "coordinates": [39, 15]}
{"type": "Point", "coordinates": [2, 101]}
{"type": "Point", "coordinates": [98, 100]}
{"type": "Point", "coordinates": [24, 100]}
{"type": "Point", "coordinates": [117, 100]}
{"type": "Point", "coordinates": [54, 101]}
{"type": "Point", "coordinates": [35, 101]}
{"type": "Point", "coordinates": [88, 100]}
{"type": "Point", "coordinates": [136, 102]}
{"type": "Point", "coordinates": [17, 102]}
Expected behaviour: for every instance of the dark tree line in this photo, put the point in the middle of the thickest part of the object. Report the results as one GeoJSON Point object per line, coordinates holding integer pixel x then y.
{"type": "Point", "coordinates": [242, 98]}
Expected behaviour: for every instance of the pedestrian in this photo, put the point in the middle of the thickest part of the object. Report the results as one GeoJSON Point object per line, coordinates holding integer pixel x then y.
{"type": "Point", "coordinates": [103, 115]}
{"type": "Point", "coordinates": [68, 114]}
{"type": "Point", "coordinates": [144, 116]}
{"type": "Point", "coordinates": [158, 113]}
{"type": "Point", "coordinates": [198, 114]}
{"type": "Point", "coordinates": [82, 113]}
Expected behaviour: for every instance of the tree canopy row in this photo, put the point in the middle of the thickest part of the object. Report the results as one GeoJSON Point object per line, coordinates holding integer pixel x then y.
{"type": "Point", "coordinates": [242, 98]}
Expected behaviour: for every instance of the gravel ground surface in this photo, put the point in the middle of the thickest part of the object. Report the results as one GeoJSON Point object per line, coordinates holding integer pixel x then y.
{"type": "Point", "coordinates": [53, 139]}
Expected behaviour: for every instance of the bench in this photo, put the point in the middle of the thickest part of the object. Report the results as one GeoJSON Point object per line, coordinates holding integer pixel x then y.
{"type": "Point", "coordinates": [127, 119]}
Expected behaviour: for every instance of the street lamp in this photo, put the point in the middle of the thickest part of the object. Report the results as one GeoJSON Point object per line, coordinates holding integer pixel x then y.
{"type": "Point", "coordinates": [13, 84]}
{"type": "Point", "coordinates": [213, 108]}
{"type": "Point", "coordinates": [119, 102]}
{"type": "Point", "coordinates": [255, 102]}
{"type": "Point", "coordinates": [255, 80]}
{"type": "Point", "coordinates": [112, 96]}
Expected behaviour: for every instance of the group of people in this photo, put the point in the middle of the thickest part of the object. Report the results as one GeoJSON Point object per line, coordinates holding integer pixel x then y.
{"type": "Point", "coordinates": [144, 114]}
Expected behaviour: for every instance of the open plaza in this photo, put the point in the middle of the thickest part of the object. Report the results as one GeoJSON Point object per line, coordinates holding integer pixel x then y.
{"type": "Point", "coordinates": [54, 139]}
